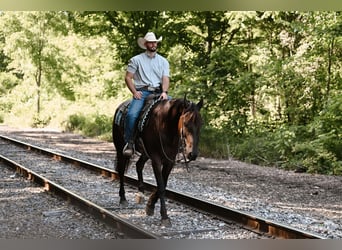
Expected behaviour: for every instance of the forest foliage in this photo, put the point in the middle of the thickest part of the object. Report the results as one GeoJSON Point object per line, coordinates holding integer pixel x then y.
{"type": "Point", "coordinates": [271, 80]}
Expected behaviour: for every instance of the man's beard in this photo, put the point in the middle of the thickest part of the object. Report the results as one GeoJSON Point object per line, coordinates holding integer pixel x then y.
{"type": "Point", "coordinates": [153, 49]}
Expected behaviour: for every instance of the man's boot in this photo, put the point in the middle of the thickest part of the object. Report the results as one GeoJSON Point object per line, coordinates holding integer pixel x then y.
{"type": "Point", "coordinates": [128, 150]}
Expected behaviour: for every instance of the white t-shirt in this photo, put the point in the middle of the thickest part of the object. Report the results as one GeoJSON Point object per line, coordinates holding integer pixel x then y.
{"type": "Point", "coordinates": [148, 71]}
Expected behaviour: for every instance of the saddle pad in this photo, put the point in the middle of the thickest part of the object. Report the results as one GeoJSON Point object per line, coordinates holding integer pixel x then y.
{"type": "Point", "coordinates": [121, 113]}
{"type": "Point", "coordinates": [122, 110]}
{"type": "Point", "coordinates": [144, 115]}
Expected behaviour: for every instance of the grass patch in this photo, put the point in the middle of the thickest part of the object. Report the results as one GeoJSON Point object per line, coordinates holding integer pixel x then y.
{"type": "Point", "coordinates": [94, 125]}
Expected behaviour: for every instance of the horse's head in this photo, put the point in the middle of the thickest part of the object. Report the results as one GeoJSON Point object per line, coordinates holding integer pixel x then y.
{"type": "Point", "coordinates": [189, 126]}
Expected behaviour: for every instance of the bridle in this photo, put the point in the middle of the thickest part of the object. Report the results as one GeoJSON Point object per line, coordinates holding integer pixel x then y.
{"type": "Point", "coordinates": [181, 143]}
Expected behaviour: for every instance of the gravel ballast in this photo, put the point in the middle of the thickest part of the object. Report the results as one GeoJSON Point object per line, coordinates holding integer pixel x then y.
{"type": "Point", "coordinates": [306, 201]}
{"type": "Point", "coordinates": [29, 212]}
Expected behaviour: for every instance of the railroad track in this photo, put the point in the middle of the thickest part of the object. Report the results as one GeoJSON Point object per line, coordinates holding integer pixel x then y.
{"type": "Point", "coordinates": [113, 215]}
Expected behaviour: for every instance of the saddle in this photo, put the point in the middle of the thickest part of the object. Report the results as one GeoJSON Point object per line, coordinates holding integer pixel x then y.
{"type": "Point", "coordinates": [122, 110]}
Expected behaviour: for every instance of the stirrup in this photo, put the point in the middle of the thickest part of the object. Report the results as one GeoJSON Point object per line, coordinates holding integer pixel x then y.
{"type": "Point", "coordinates": [128, 150]}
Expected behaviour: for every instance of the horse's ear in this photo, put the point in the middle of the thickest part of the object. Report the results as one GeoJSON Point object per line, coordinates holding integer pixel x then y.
{"type": "Point", "coordinates": [184, 100]}
{"type": "Point", "coordinates": [200, 104]}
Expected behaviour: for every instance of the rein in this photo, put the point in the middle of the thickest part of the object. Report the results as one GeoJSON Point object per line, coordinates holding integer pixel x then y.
{"type": "Point", "coordinates": [181, 147]}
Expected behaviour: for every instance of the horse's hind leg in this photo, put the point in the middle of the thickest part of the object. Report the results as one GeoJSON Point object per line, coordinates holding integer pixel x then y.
{"type": "Point", "coordinates": [151, 203]}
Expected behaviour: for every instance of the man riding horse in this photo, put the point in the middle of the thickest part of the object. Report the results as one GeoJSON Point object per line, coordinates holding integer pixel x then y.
{"type": "Point", "coordinates": [147, 73]}
{"type": "Point", "coordinates": [168, 126]}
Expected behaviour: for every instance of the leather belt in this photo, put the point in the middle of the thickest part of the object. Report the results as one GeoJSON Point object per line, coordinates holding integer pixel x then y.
{"type": "Point", "coordinates": [149, 88]}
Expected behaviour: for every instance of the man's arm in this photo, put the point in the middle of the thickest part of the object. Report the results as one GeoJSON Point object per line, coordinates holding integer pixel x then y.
{"type": "Point", "coordinates": [165, 87]}
{"type": "Point", "coordinates": [131, 86]}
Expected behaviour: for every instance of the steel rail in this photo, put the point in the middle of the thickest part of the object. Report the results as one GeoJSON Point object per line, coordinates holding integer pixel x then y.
{"type": "Point", "coordinates": [110, 218]}
{"type": "Point", "coordinates": [249, 221]}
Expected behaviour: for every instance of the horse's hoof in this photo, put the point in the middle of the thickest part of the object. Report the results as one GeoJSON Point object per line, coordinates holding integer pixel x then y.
{"type": "Point", "coordinates": [149, 210]}
{"type": "Point", "coordinates": [123, 204]}
{"type": "Point", "coordinates": [139, 198]}
{"type": "Point", "coordinates": [166, 222]}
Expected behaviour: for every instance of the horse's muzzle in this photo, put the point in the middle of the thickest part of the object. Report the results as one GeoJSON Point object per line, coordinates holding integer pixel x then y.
{"type": "Point", "coordinates": [192, 156]}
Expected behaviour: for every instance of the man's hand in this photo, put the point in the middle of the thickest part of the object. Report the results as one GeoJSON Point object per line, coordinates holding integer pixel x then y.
{"type": "Point", "coordinates": [137, 95]}
{"type": "Point", "coordinates": [163, 96]}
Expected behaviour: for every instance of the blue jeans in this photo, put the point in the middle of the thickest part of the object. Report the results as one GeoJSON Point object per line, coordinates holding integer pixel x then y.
{"type": "Point", "coordinates": [133, 112]}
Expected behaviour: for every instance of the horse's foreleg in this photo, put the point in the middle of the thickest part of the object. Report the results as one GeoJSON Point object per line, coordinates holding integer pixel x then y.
{"type": "Point", "coordinates": [139, 168]}
{"type": "Point", "coordinates": [139, 198]}
{"type": "Point", "coordinates": [163, 212]}
{"type": "Point", "coordinates": [165, 220]}
{"type": "Point", "coordinates": [156, 165]}
{"type": "Point", "coordinates": [159, 193]}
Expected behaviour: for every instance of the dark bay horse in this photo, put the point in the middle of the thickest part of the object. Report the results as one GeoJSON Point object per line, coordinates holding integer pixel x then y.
{"type": "Point", "coordinates": [171, 127]}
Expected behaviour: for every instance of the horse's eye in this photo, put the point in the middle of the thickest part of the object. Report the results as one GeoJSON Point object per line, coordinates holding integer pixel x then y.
{"type": "Point", "coordinates": [188, 127]}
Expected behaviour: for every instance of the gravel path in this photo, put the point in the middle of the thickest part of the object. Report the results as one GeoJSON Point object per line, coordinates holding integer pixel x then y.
{"type": "Point", "coordinates": [28, 212]}
{"type": "Point", "coordinates": [307, 201]}
{"type": "Point", "coordinates": [103, 191]}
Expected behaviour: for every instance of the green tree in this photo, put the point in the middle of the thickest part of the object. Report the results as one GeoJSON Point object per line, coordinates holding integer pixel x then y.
{"type": "Point", "coordinates": [271, 79]}
{"type": "Point", "coordinates": [30, 45]}
{"type": "Point", "coordinates": [121, 27]}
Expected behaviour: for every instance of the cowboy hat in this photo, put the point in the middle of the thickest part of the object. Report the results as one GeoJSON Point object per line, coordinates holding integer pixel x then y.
{"type": "Point", "coordinates": [149, 37]}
